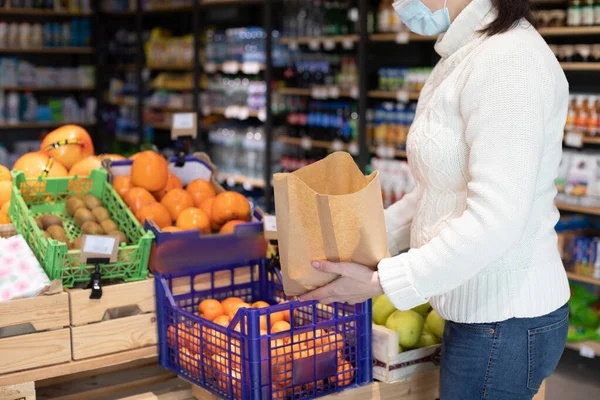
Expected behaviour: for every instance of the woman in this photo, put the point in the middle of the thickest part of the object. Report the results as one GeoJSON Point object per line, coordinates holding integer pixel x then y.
{"type": "Point", "coordinates": [484, 149]}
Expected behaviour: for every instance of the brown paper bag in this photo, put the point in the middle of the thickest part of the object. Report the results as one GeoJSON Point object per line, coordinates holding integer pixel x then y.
{"type": "Point", "coordinates": [327, 211]}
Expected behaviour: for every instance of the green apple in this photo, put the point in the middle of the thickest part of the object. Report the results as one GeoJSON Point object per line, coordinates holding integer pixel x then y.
{"type": "Point", "coordinates": [435, 324]}
{"type": "Point", "coordinates": [400, 349]}
{"type": "Point", "coordinates": [382, 309]}
{"type": "Point", "coordinates": [427, 339]}
{"type": "Point", "coordinates": [408, 324]}
{"type": "Point", "coordinates": [423, 309]}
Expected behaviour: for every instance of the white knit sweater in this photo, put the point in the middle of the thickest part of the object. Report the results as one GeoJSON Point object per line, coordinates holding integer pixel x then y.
{"type": "Point", "coordinates": [484, 149]}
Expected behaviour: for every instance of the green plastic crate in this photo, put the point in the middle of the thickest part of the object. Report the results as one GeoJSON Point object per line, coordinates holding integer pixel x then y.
{"type": "Point", "coordinates": [35, 197]}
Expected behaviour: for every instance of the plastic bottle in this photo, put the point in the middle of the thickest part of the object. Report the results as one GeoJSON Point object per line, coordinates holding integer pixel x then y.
{"type": "Point", "coordinates": [570, 123]}
{"type": "Point", "coordinates": [597, 12]}
{"type": "Point", "coordinates": [30, 112]}
{"type": "Point", "coordinates": [587, 13]}
{"type": "Point", "coordinates": [13, 108]}
{"type": "Point", "coordinates": [574, 13]}
{"type": "Point", "coordinates": [581, 114]}
{"type": "Point", "coordinates": [592, 121]}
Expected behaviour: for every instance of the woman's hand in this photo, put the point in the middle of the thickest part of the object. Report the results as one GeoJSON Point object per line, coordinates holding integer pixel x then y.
{"type": "Point", "coordinates": [356, 284]}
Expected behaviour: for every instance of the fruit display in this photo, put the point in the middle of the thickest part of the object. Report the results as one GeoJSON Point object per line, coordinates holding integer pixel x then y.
{"type": "Point", "coordinates": [584, 315]}
{"type": "Point", "coordinates": [154, 193]}
{"type": "Point", "coordinates": [417, 328]}
{"type": "Point", "coordinates": [5, 193]}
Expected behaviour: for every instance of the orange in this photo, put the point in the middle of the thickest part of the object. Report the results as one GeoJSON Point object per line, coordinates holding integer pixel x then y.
{"type": "Point", "coordinates": [112, 157]}
{"type": "Point", "coordinates": [193, 219]}
{"type": "Point", "coordinates": [171, 336]}
{"type": "Point", "coordinates": [260, 304]}
{"type": "Point", "coordinates": [176, 201]}
{"type": "Point", "coordinates": [137, 197]}
{"type": "Point", "coordinates": [40, 164]}
{"type": "Point", "coordinates": [230, 226]}
{"type": "Point", "coordinates": [215, 341]}
{"type": "Point", "coordinates": [150, 170]}
{"type": "Point", "coordinates": [345, 374]}
{"type": "Point", "coordinates": [234, 308]}
{"type": "Point", "coordinates": [4, 219]}
{"type": "Point", "coordinates": [5, 174]}
{"type": "Point", "coordinates": [85, 166]}
{"type": "Point", "coordinates": [68, 145]}
{"type": "Point", "coordinates": [222, 320]}
{"type": "Point", "coordinates": [173, 182]}
{"type": "Point", "coordinates": [280, 326]}
{"type": "Point", "coordinates": [155, 212]}
{"type": "Point", "coordinates": [171, 229]}
{"type": "Point", "coordinates": [134, 156]}
{"type": "Point", "coordinates": [189, 337]}
{"type": "Point", "coordinates": [229, 206]}
{"type": "Point", "coordinates": [200, 190]}
{"type": "Point", "coordinates": [206, 206]}
{"type": "Point", "coordinates": [5, 191]}
{"type": "Point", "coordinates": [210, 309]}
{"type": "Point", "coordinates": [189, 362]}
{"type": "Point", "coordinates": [4, 208]}
{"type": "Point", "coordinates": [122, 184]}
{"type": "Point", "coordinates": [229, 302]}
{"type": "Point", "coordinates": [286, 314]}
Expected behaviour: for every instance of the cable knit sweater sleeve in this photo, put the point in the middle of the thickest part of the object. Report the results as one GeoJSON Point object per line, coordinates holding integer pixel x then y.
{"type": "Point", "coordinates": [504, 103]}
{"type": "Point", "coordinates": [398, 218]}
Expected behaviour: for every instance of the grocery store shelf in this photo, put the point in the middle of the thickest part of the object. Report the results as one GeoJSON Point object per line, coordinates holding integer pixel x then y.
{"type": "Point", "coordinates": [580, 66]}
{"type": "Point", "coordinates": [47, 88]}
{"type": "Point", "coordinates": [240, 180]}
{"type": "Point", "coordinates": [590, 344]}
{"type": "Point", "coordinates": [320, 144]}
{"type": "Point", "coordinates": [50, 50]}
{"type": "Point", "coordinates": [171, 67]}
{"type": "Point", "coordinates": [580, 278]}
{"type": "Point", "coordinates": [319, 39]}
{"type": "Point", "coordinates": [34, 125]}
{"type": "Point", "coordinates": [170, 109]}
{"type": "Point", "coordinates": [223, 111]}
{"type": "Point", "coordinates": [382, 94]}
{"type": "Point", "coordinates": [578, 209]}
{"type": "Point", "coordinates": [34, 12]}
{"type": "Point", "coordinates": [570, 31]}
{"type": "Point", "coordinates": [398, 37]}
{"type": "Point", "coordinates": [397, 153]}
{"type": "Point", "coordinates": [318, 92]}
{"type": "Point", "coordinates": [159, 125]}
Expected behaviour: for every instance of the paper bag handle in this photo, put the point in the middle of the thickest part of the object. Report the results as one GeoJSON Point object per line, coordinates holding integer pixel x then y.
{"type": "Point", "coordinates": [331, 250]}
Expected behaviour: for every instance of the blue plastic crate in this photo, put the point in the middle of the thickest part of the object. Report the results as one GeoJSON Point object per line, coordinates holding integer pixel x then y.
{"type": "Point", "coordinates": [328, 348]}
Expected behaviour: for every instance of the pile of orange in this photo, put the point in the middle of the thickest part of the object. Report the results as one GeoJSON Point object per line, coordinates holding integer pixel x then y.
{"type": "Point", "coordinates": [153, 193]}
{"type": "Point", "coordinates": [5, 193]}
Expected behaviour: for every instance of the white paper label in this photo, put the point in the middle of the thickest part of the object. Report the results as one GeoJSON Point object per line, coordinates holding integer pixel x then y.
{"type": "Point", "coordinates": [183, 121]}
{"type": "Point", "coordinates": [337, 145]}
{"type": "Point", "coordinates": [353, 148]}
{"type": "Point", "coordinates": [348, 44]}
{"type": "Point", "coordinates": [390, 152]}
{"type": "Point", "coordinates": [270, 223]}
{"type": "Point", "coordinates": [293, 46]}
{"type": "Point", "coordinates": [262, 115]}
{"type": "Point", "coordinates": [247, 185]}
{"type": "Point", "coordinates": [402, 37]}
{"type": "Point", "coordinates": [232, 112]}
{"type": "Point", "coordinates": [210, 67]}
{"type": "Point", "coordinates": [587, 352]}
{"type": "Point", "coordinates": [231, 181]}
{"type": "Point", "coordinates": [354, 92]}
{"type": "Point", "coordinates": [101, 245]}
{"type": "Point", "coordinates": [328, 44]}
{"type": "Point", "coordinates": [243, 113]}
{"type": "Point", "coordinates": [314, 45]}
{"type": "Point", "coordinates": [231, 67]}
{"type": "Point", "coordinates": [250, 68]}
{"type": "Point", "coordinates": [574, 139]}
{"type": "Point", "coordinates": [306, 143]}
{"type": "Point", "coordinates": [380, 151]}
{"type": "Point", "coordinates": [402, 96]}
{"type": "Point", "coordinates": [206, 110]}
{"type": "Point", "coordinates": [334, 92]}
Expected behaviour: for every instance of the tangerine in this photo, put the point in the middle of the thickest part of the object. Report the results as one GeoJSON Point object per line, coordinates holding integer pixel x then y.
{"type": "Point", "coordinates": [4, 208]}
{"type": "Point", "coordinates": [206, 206]}
{"type": "Point", "coordinates": [137, 197]}
{"type": "Point", "coordinates": [229, 302]}
{"type": "Point", "coordinates": [155, 212]}
{"type": "Point", "coordinates": [222, 320]}
{"type": "Point", "coordinates": [280, 326]}
{"type": "Point", "coordinates": [40, 164]}
{"type": "Point", "coordinates": [5, 174]}
{"type": "Point", "coordinates": [234, 308]}
{"type": "Point", "coordinates": [229, 227]}
{"type": "Point", "coordinates": [68, 145]}
{"type": "Point", "coordinates": [171, 229]}
{"type": "Point", "coordinates": [229, 206]}
{"type": "Point", "coordinates": [176, 201]}
{"type": "Point", "coordinates": [193, 219]}
{"type": "Point", "coordinates": [260, 304]}
{"type": "Point", "coordinates": [345, 374]}
{"type": "Point", "coordinates": [150, 170]}
{"type": "Point", "coordinates": [173, 182]}
{"type": "Point", "coordinates": [5, 191]}
{"type": "Point", "coordinates": [4, 219]}
{"type": "Point", "coordinates": [122, 184]}
{"type": "Point", "coordinates": [210, 309]}
{"type": "Point", "coordinates": [85, 166]}
{"type": "Point", "coordinates": [200, 190]}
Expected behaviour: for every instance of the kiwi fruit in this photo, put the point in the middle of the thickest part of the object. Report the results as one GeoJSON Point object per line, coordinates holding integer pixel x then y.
{"type": "Point", "coordinates": [57, 232]}
{"type": "Point", "coordinates": [121, 235]}
{"type": "Point", "coordinates": [83, 215]}
{"type": "Point", "coordinates": [109, 225]}
{"type": "Point", "coordinates": [77, 243]}
{"type": "Point", "coordinates": [38, 221]}
{"type": "Point", "coordinates": [49, 220]}
{"type": "Point", "coordinates": [47, 235]}
{"type": "Point", "coordinates": [92, 201]}
{"type": "Point", "coordinates": [101, 214]}
{"type": "Point", "coordinates": [91, 228]}
{"type": "Point", "coordinates": [73, 204]}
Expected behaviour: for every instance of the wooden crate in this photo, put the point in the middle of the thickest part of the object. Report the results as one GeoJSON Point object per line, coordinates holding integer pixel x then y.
{"type": "Point", "coordinates": [7, 230]}
{"type": "Point", "coordinates": [23, 391]}
{"type": "Point", "coordinates": [391, 366]}
{"type": "Point", "coordinates": [123, 319]}
{"type": "Point", "coordinates": [36, 332]}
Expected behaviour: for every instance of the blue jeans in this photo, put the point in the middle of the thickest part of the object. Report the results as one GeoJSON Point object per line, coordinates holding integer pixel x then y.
{"type": "Point", "coordinates": [505, 360]}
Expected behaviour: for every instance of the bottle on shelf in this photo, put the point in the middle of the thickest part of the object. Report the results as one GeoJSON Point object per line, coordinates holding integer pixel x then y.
{"type": "Point", "coordinates": [574, 13]}
{"type": "Point", "coordinates": [587, 13]}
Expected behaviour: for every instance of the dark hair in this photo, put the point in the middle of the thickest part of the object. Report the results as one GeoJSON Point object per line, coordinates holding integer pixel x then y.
{"type": "Point", "coordinates": [510, 12]}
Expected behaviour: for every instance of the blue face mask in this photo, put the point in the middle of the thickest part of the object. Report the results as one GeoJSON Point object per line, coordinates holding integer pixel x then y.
{"type": "Point", "coordinates": [419, 18]}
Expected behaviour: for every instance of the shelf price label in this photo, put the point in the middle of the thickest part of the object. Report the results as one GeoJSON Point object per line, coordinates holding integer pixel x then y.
{"type": "Point", "coordinates": [231, 67]}
{"type": "Point", "coordinates": [206, 110]}
{"type": "Point", "coordinates": [306, 143]}
{"type": "Point", "coordinates": [334, 92]}
{"type": "Point", "coordinates": [270, 227]}
{"type": "Point", "coordinates": [105, 247]}
{"type": "Point", "coordinates": [328, 44]}
{"type": "Point", "coordinates": [293, 45]}
{"type": "Point", "coordinates": [353, 14]}
{"type": "Point", "coordinates": [574, 139]}
{"type": "Point", "coordinates": [314, 44]}
{"type": "Point", "coordinates": [402, 37]}
{"type": "Point", "coordinates": [250, 68]}
{"type": "Point", "coordinates": [184, 124]}
{"type": "Point", "coordinates": [319, 92]}
{"type": "Point", "coordinates": [230, 181]}
{"type": "Point", "coordinates": [210, 67]}
{"type": "Point", "coordinates": [232, 112]}
{"type": "Point", "coordinates": [348, 44]}
{"type": "Point", "coordinates": [402, 96]}
{"type": "Point", "coordinates": [354, 93]}
{"type": "Point", "coordinates": [353, 148]}
{"type": "Point", "coordinates": [587, 352]}
{"type": "Point", "coordinates": [337, 145]}
{"type": "Point", "coordinates": [262, 115]}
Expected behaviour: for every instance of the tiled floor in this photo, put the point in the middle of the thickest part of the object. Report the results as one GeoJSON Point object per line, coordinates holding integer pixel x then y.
{"type": "Point", "coordinates": [576, 378]}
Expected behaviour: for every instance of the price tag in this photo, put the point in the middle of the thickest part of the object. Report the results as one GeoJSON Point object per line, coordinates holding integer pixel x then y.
{"type": "Point", "coordinates": [231, 67]}
{"type": "Point", "coordinates": [262, 115]}
{"type": "Point", "coordinates": [354, 92]}
{"type": "Point", "coordinates": [380, 151]}
{"type": "Point", "coordinates": [337, 145]}
{"type": "Point", "coordinates": [99, 247]}
{"type": "Point", "coordinates": [250, 68]}
{"type": "Point", "coordinates": [334, 92]}
{"type": "Point", "coordinates": [353, 14]}
{"type": "Point", "coordinates": [232, 112]}
{"type": "Point", "coordinates": [206, 110]}
{"type": "Point", "coordinates": [402, 38]}
{"type": "Point", "coordinates": [306, 143]}
{"type": "Point", "coordinates": [390, 152]}
{"type": "Point", "coordinates": [587, 352]}
{"type": "Point", "coordinates": [574, 139]}
{"type": "Point", "coordinates": [210, 67]}
{"type": "Point", "coordinates": [270, 227]}
{"type": "Point", "coordinates": [328, 44]}
{"type": "Point", "coordinates": [402, 96]}
{"type": "Point", "coordinates": [184, 124]}
{"type": "Point", "coordinates": [293, 45]}
{"type": "Point", "coordinates": [319, 92]}
{"type": "Point", "coordinates": [353, 148]}
{"type": "Point", "coordinates": [243, 113]}
{"type": "Point", "coordinates": [314, 44]}
{"type": "Point", "coordinates": [247, 185]}
{"type": "Point", "coordinates": [348, 44]}
{"type": "Point", "coordinates": [230, 181]}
